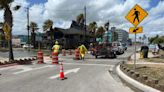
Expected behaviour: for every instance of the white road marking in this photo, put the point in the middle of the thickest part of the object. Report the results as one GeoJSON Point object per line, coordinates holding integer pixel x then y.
{"type": "Point", "coordinates": [6, 68]}
{"type": "Point", "coordinates": [27, 69]}
{"type": "Point", "coordinates": [67, 72]}
{"type": "Point", "coordinates": [84, 64]}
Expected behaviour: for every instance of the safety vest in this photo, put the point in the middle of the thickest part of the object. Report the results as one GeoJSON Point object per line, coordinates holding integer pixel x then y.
{"type": "Point", "coordinates": [56, 48]}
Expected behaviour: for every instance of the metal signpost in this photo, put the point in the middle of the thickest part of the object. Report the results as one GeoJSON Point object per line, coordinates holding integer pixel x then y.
{"type": "Point", "coordinates": [136, 16]}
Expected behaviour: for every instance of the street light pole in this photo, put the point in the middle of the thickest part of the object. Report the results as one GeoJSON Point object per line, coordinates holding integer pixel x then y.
{"type": "Point", "coordinates": [85, 23]}
{"type": "Point", "coordinates": [28, 28]}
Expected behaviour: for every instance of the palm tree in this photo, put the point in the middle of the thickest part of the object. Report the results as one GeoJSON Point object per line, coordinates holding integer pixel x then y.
{"type": "Point", "coordinates": [47, 26]}
{"type": "Point", "coordinates": [92, 27]}
{"type": "Point", "coordinates": [80, 19]}
{"type": "Point", "coordinates": [100, 31]}
{"type": "Point", "coordinates": [33, 28]}
{"type": "Point", "coordinates": [8, 18]}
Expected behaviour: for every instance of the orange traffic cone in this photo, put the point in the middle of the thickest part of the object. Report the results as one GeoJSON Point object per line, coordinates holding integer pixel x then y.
{"type": "Point", "coordinates": [62, 77]}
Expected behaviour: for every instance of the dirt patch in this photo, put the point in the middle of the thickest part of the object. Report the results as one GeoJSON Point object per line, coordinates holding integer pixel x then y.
{"type": "Point", "coordinates": [152, 71]}
{"type": "Point", "coordinates": [155, 60]}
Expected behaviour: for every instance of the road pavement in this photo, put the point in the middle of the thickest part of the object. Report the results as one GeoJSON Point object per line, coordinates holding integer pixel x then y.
{"type": "Point", "coordinates": [90, 75]}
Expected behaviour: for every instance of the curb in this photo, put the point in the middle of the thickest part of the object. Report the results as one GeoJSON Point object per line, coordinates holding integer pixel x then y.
{"type": "Point", "coordinates": [133, 82]}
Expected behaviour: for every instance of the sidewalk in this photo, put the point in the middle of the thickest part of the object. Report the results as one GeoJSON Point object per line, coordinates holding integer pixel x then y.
{"type": "Point", "coordinates": [142, 61]}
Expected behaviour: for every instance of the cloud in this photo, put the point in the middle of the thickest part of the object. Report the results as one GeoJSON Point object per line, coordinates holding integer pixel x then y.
{"type": "Point", "coordinates": [62, 12]}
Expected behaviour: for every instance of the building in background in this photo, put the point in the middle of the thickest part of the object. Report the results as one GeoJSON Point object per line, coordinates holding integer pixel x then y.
{"type": "Point", "coordinates": [24, 39]}
{"type": "Point", "coordinates": [123, 35]}
{"type": "Point", "coordinates": [68, 38]}
{"type": "Point", "coordinates": [16, 42]}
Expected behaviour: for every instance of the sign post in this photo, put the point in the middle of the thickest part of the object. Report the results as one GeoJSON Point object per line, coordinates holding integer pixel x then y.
{"type": "Point", "coordinates": [136, 16]}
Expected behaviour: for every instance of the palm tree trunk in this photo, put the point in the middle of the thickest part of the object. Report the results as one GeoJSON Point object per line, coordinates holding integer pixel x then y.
{"type": "Point", "coordinates": [9, 19]}
{"type": "Point", "coordinates": [51, 34]}
{"type": "Point", "coordinates": [33, 38]}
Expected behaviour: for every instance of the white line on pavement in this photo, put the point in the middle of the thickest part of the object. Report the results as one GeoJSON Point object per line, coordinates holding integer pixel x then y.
{"type": "Point", "coordinates": [27, 69]}
{"type": "Point", "coordinates": [67, 72]}
{"type": "Point", "coordinates": [6, 68]}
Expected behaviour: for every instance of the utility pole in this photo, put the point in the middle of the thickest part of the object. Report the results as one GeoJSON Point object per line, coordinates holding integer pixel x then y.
{"type": "Point", "coordinates": [85, 23]}
{"type": "Point", "coordinates": [28, 28]}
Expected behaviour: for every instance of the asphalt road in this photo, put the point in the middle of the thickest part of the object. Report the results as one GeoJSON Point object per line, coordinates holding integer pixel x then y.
{"type": "Point", "coordinates": [90, 75]}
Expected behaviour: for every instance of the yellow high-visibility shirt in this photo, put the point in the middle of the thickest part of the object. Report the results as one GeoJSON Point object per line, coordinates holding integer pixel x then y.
{"type": "Point", "coordinates": [82, 49]}
{"type": "Point", "coordinates": [56, 48]}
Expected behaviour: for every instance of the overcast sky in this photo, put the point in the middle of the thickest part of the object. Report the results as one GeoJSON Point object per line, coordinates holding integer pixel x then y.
{"type": "Point", "coordinates": [63, 11]}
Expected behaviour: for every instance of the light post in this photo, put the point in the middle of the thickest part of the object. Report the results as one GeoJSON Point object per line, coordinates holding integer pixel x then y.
{"type": "Point", "coordinates": [28, 28]}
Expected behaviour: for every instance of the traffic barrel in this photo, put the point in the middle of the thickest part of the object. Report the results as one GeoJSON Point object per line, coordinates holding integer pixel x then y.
{"type": "Point", "coordinates": [40, 57]}
{"type": "Point", "coordinates": [70, 52]}
{"type": "Point", "coordinates": [54, 57]}
{"type": "Point", "coordinates": [77, 54]}
{"type": "Point", "coordinates": [62, 77]}
{"type": "Point", "coordinates": [63, 52]}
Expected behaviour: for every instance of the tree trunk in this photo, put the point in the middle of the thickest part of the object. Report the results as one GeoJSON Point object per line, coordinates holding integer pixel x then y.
{"type": "Point", "coordinates": [51, 35]}
{"type": "Point", "coordinates": [9, 19]}
{"type": "Point", "coordinates": [33, 38]}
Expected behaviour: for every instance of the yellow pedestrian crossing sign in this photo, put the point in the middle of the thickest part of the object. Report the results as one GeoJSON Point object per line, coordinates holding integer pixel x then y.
{"type": "Point", "coordinates": [6, 28]}
{"type": "Point", "coordinates": [134, 30]}
{"type": "Point", "coordinates": [136, 15]}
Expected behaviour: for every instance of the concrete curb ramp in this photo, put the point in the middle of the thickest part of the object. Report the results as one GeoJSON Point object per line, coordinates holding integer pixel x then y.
{"type": "Point", "coordinates": [135, 83]}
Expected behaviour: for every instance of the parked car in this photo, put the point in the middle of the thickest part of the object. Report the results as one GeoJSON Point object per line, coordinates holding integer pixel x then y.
{"type": "Point", "coordinates": [154, 48]}
{"type": "Point", "coordinates": [104, 50]}
{"type": "Point", "coordinates": [25, 46]}
{"type": "Point", "coordinates": [118, 48]}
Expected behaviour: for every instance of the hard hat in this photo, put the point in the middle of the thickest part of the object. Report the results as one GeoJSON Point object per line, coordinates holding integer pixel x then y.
{"type": "Point", "coordinates": [56, 43]}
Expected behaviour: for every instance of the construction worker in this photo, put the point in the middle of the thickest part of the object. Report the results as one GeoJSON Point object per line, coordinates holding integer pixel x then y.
{"type": "Point", "coordinates": [83, 50]}
{"type": "Point", "coordinates": [56, 47]}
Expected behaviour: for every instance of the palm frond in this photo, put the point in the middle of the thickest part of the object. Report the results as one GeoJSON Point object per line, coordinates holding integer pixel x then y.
{"type": "Point", "coordinates": [47, 24]}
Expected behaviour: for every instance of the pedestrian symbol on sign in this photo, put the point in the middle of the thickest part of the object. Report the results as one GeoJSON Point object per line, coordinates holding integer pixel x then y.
{"type": "Point", "coordinates": [136, 14]}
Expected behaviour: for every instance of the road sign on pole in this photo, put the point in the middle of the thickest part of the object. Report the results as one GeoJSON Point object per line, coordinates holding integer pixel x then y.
{"type": "Point", "coordinates": [135, 30]}
{"type": "Point", "coordinates": [136, 15]}
{"type": "Point", "coordinates": [6, 29]}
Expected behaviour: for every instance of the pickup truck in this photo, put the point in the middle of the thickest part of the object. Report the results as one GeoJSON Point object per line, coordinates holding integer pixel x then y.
{"type": "Point", "coordinates": [104, 50]}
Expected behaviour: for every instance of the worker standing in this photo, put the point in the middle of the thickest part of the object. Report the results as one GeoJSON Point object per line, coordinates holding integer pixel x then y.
{"type": "Point", "coordinates": [83, 50]}
{"type": "Point", "coordinates": [56, 48]}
